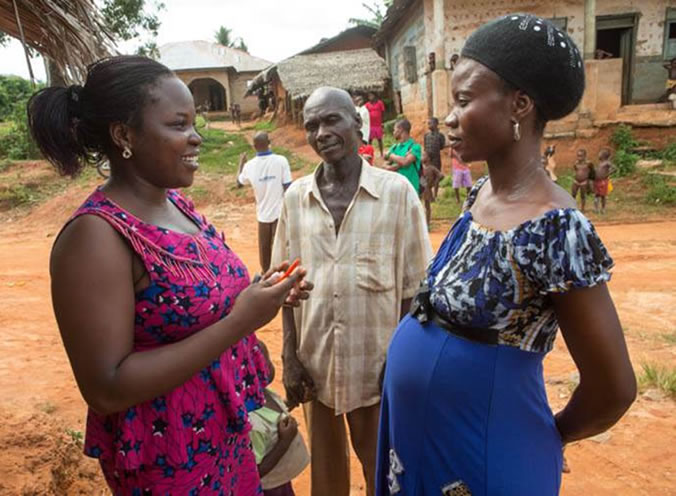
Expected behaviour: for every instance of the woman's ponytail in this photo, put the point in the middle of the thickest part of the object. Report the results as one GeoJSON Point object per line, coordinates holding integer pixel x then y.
{"type": "Point", "coordinates": [53, 115]}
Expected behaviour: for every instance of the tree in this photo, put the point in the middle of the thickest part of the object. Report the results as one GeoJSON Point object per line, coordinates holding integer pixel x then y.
{"type": "Point", "coordinates": [224, 37]}
{"type": "Point", "coordinates": [240, 45]}
{"type": "Point", "coordinates": [377, 10]}
{"type": "Point", "coordinates": [129, 19]}
{"type": "Point", "coordinates": [14, 92]}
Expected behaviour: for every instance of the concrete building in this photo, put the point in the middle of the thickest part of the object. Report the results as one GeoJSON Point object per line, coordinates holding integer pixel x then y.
{"type": "Point", "coordinates": [216, 75]}
{"type": "Point", "coordinates": [419, 37]}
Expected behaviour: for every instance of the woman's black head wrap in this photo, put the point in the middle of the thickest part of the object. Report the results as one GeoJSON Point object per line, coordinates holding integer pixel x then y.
{"type": "Point", "coordinates": [534, 56]}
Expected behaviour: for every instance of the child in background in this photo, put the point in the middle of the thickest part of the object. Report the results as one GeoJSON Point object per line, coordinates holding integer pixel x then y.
{"type": "Point", "coordinates": [429, 183]}
{"type": "Point", "coordinates": [584, 176]}
{"type": "Point", "coordinates": [365, 150]}
{"type": "Point", "coordinates": [280, 452]}
{"type": "Point", "coordinates": [602, 174]}
{"type": "Point", "coordinates": [462, 176]}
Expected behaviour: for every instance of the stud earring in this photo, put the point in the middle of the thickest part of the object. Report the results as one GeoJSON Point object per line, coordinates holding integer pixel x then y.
{"type": "Point", "coordinates": [126, 153]}
{"type": "Point", "coordinates": [517, 130]}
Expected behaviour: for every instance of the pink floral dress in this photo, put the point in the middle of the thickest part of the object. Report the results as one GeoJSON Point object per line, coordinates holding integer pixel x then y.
{"type": "Point", "coordinates": [193, 439]}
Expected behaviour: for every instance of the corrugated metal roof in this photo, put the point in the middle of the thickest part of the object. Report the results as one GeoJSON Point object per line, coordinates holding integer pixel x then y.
{"type": "Point", "coordinates": [394, 14]}
{"type": "Point", "coordinates": [186, 55]}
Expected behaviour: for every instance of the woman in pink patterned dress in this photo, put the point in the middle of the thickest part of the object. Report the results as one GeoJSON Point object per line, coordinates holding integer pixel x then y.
{"type": "Point", "coordinates": [156, 312]}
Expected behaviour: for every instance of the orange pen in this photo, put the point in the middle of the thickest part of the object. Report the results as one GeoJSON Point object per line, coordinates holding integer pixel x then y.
{"type": "Point", "coordinates": [291, 268]}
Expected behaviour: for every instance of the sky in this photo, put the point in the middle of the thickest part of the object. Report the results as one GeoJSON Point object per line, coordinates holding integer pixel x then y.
{"type": "Point", "coordinates": [272, 29]}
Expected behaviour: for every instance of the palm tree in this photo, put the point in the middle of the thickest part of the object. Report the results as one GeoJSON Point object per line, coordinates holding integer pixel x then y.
{"type": "Point", "coordinates": [240, 45]}
{"type": "Point", "coordinates": [377, 10]}
{"type": "Point", "coordinates": [224, 37]}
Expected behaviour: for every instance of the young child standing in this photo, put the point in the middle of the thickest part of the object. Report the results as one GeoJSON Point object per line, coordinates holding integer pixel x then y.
{"type": "Point", "coordinates": [602, 174]}
{"type": "Point", "coordinates": [430, 184]}
{"type": "Point", "coordinates": [584, 174]}
{"type": "Point", "coordinates": [280, 452]}
{"type": "Point", "coordinates": [462, 176]}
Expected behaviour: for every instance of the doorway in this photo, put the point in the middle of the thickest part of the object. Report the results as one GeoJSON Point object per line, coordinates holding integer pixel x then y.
{"type": "Point", "coordinates": [616, 38]}
{"type": "Point", "coordinates": [210, 93]}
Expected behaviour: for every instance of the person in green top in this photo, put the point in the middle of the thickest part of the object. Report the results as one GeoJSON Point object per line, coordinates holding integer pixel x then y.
{"type": "Point", "coordinates": [281, 454]}
{"type": "Point", "coordinates": [404, 156]}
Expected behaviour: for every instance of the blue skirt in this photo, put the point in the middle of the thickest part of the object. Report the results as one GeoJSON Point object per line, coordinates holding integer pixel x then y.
{"type": "Point", "coordinates": [459, 417]}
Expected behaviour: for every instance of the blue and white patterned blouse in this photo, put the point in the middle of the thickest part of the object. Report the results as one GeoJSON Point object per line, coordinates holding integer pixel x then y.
{"type": "Point", "coordinates": [502, 279]}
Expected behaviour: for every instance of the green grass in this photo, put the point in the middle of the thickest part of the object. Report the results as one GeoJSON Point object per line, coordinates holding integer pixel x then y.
{"type": "Point", "coordinates": [268, 126]}
{"type": "Point", "coordinates": [17, 193]}
{"type": "Point", "coordinates": [220, 151]}
{"type": "Point", "coordinates": [661, 189]}
{"type": "Point", "coordinates": [76, 436]}
{"type": "Point", "coordinates": [670, 337]}
{"type": "Point", "coordinates": [658, 377]}
{"type": "Point", "coordinates": [295, 162]}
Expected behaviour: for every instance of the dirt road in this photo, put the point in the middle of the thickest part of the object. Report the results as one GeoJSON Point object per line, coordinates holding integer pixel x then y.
{"type": "Point", "coordinates": [42, 413]}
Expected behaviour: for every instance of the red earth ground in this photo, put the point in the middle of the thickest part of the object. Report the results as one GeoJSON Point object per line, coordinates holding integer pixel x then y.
{"type": "Point", "coordinates": [42, 413]}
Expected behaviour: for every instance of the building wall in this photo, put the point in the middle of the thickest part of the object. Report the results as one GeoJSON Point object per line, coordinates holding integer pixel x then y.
{"type": "Point", "coordinates": [238, 87]}
{"type": "Point", "coordinates": [461, 17]}
{"type": "Point", "coordinates": [411, 32]}
{"type": "Point", "coordinates": [649, 77]}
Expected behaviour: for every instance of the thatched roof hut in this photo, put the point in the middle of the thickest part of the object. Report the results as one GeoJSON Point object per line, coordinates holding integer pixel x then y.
{"type": "Point", "coordinates": [360, 70]}
{"type": "Point", "coordinates": [69, 32]}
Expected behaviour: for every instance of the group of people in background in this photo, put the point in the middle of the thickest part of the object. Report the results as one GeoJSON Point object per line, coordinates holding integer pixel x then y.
{"type": "Point", "coordinates": [432, 362]}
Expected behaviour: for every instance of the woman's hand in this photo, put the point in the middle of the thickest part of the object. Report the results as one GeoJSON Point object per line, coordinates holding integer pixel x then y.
{"type": "Point", "coordinates": [299, 292]}
{"type": "Point", "coordinates": [259, 303]}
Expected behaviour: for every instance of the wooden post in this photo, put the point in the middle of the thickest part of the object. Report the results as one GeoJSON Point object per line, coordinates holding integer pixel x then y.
{"type": "Point", "coordinates": [23, 42]}
{"type": "Point", "coordinates": [589, 29]}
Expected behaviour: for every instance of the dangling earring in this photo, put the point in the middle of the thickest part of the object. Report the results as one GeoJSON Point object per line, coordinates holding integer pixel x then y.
{"type": "Point", "coordinates": [126, 153]}
{"type": "Point", "coordinates": [517, 130]}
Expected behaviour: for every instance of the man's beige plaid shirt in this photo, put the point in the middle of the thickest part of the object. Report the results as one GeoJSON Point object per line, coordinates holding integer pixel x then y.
{"type": "Point", "coordinates": [361, 276]}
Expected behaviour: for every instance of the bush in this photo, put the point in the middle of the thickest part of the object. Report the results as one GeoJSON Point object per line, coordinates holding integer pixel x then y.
{"type": "Point", "coordinates": [669, 153]}
{"type": "Point", "coordinates": [16, 142]}
{"type": "Point", "coordinates": [623, 139]}
{"type": "Point", "coordinates": [14, 92]}
{"type": "Point", "coordinates": [625, 162]}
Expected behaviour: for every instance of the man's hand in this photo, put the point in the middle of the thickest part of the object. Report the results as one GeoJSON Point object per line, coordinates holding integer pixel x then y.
{"type": "Point", "coordinates": [299, 386]}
